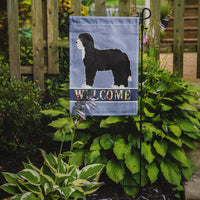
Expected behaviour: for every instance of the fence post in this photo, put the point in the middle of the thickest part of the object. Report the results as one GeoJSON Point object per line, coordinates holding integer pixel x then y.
{"type": "Point", "coordinates": [198, 44]}
{"type": "Point", "coordinates": [178, 46]}
{"type": "Point", "coordinates": [37, 38]}
{"type": "Point", "coordinates": [100, 8]}
{"type": "Point", "coordinates": [14, 44]}
{"type": "Point", "coordinates": [124, 8]}
{"type": "Point", "coordinates": [76, 7]}
{"type": "Point", "coordinates": [155, 27]}
{"type": "Point", "coordinates": [52, 35]}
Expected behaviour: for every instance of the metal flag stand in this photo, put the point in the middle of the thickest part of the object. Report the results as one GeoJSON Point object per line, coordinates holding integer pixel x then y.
{"type": "Point", "coordinates": [141, 84]}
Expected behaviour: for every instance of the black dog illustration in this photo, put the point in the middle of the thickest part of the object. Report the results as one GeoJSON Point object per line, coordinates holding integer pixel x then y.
{"type": "Point", "coordinates": [103, 60]}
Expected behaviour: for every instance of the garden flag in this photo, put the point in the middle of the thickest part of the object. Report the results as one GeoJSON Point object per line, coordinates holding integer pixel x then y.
{"type": "Point", "coordinates": [104, 65]}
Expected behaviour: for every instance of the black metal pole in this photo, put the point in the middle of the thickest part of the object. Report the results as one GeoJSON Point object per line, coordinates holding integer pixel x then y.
{"type": "Point", "coordinates": [141, 84]}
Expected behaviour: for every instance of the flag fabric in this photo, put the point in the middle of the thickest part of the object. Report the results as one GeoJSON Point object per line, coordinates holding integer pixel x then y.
{"type": "Point", "coordinates": [104, 53]}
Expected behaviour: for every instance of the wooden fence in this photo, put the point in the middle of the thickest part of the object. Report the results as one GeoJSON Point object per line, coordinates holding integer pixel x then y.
{"type": "Point", "coordinates": [45, 34]}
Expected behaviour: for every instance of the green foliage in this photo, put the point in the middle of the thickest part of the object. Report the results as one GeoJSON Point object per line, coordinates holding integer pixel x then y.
{"type": "Point", "coordinates": [19, 112]}
{"type": "Point", "coordinates": [26, 49]}
{"type": "Point", "coordinates": [65, 124]}
{"type": "Point", "coordinates": [112, 3]}
{"type": "Point", "coordinates": [54, 180]}
{"type": "Point", "coordinates": [165, 9]}
{"type": "Point", "coordinates": [140, 2]}
{"type": "Point", "coordinates": [170, 123]}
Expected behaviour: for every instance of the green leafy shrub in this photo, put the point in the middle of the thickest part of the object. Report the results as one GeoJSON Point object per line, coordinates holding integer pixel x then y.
{"type": "Point", "coordinates": [20, 107]}
{"type": "Point", "coordinates": [66, 125]}
{"type": "Point", "coordinates": [170, 123]}
{"type": "Point", "coordinates": [26, 49]}
{"type": "Point", "coordinates": [54, 180]}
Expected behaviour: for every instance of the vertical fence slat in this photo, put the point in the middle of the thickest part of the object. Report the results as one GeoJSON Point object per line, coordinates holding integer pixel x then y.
{"type": "Point", "coordinates": [100, 8]}
{"type": "Point", "coordinates": [178, 47]}
{"type": "Point", "coordinates": [76, 7]}
{"type": "Point", "coordinates": [124, 8]}
{"type": "Point", "coordinates": [198, 44]}
{"type": "Point", "coordinates": [52, 32]}
{"type": "Point", "coordinates": [37, 38]}
{"type": "Point", "coordinates": [14, 44]}
{"type": "Point", "coordinates": [155, 27]}
{"type": "Point", "coordinates": [44, 21]}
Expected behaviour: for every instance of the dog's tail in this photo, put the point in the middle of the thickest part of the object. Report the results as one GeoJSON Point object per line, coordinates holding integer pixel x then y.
{"type": "Point", "coordinates": [130, 78]}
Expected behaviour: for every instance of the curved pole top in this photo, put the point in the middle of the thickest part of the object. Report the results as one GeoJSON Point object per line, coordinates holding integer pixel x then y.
{"type": "Point", "coordinates": [143, 18]}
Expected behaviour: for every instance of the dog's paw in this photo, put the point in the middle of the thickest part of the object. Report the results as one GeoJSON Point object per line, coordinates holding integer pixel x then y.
{"type": "Point", "coordinates": [129, 78]}
{"type": "Point", "coordinates": [114, 86]}
{"type": "Point", "coordinates": [86, 86]}
{"type": "Point", "coordinates": [121, 86]}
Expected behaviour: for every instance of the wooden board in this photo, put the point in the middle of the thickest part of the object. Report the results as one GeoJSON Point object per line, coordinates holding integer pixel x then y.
{"type": "Point", "coordinates": [14, 44]}
{"type": "Point", "coordinates": [155, 27]}
{"type": "Point", "coordinates": [100, 8]}
{"type": "Point", "coordinates": [178, 36]}
{"type": "Point", "coordinates": [52, 37]}
{"type": "Point", "coordinates": [37, 38]}
{"type": "Point", "coordinates": [76, 7]}
{"type": "Point", "coordinates": [124, 8]}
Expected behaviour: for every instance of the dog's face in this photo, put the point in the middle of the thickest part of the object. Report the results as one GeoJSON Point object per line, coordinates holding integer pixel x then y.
{"type": "Point", "coordinates": [79, 44]}
{"type": "Point", "coordinates": [85, 41]}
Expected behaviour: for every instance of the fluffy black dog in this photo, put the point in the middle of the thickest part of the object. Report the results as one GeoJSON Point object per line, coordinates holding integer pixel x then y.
{"type": "Point", "coordinates": [103, 60]}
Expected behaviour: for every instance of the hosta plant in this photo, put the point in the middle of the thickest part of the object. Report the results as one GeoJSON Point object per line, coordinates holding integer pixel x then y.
{"type": "Point", "coordinates": [170, 124]}
{"type": "Point", "coordinates": [54, 180]}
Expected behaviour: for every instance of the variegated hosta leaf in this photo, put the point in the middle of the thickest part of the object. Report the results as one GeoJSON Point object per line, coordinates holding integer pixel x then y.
{"type": "Point", "coordinates": [10, 188]}
{"type": "Point", "coordinates": [10, 177]}
{"type": "Point", "coordinates": [30, 175]}
{"type": "Point", "coordinates": [50, 160]}
{"type": "Point", "coordinates": [64, 191]}
{"type": "Point", "coordinates": [92, 171]}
